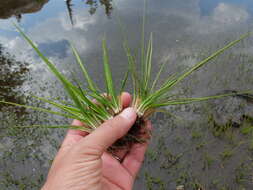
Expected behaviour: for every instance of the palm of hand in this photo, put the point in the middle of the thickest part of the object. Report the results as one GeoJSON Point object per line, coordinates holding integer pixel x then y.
{"type": "Point", "coordinates": [76, 168]}
{"type": "Point", "coordinates": [118, 176]}
{"type": "Point", "coordinates": [80, 165]}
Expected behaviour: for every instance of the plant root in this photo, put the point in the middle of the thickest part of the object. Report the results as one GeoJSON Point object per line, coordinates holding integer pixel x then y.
{"type": "Point", "coordinates": [138, 134]}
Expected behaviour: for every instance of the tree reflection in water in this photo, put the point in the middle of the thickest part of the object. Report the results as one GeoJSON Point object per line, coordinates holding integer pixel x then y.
{"type": "Point", "coordinates": [17, 8]}
{"type": "Point", "coordinates": [9, 8]}
{"type": "Point", "coordinates": [70, 11]}
{"type": "Point", "coordinates": [93, 5]}
{"type": "Point", "coordinates": [12, 75]}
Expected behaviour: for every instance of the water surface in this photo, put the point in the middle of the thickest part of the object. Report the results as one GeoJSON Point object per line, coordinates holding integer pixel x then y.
{"type": "Point", "coordinates": [200, 146]}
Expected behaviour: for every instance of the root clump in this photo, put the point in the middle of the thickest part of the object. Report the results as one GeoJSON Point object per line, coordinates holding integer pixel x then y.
{"type": "Point", "coordinates": [138, 134]}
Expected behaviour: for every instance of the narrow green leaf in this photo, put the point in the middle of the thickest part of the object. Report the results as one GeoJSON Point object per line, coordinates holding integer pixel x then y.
{"type": "Point", "coordinates": [100, 111]}
{"type": "Point", "coordinates": [108, 75]}
{"type": "Point", "coordinates": [171, 83]}
{"type": "Point", "coordinates": [71, 110]}
{"type": "Point", "coordinates": [154, 97]}
{"type": "Point", "coordinates": [81, 128]}
{"type": "Point", "coordinates": [201, 63]}
{"type": "Point", "coordinates": [131, 64]}
{"type": "Point", "coordinates": [84, 70]}
{"type": "Point", "coordinates": [192, 100]}
{"type": "Point", "coordinates": [143, 42]}
{"type": "Point", "coordinates": [42, 110]}
{"type": "Point", "coordinates": [157, 76]}
{"type": "Point", "coordinates": [70, 88]}
{"type": "Point", "coordinates": [123, 82]}
{"type": "Point", "coordinates": [148, 65]}
{"type": "Point", "coordinates": [134, 75]}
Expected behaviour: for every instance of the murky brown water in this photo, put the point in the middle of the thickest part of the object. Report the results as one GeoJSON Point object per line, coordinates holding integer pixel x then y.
{"type": "Point", "coordinates": [200, 146]}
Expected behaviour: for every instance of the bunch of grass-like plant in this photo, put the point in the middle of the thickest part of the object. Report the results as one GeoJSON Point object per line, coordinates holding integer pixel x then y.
{"type": "Point", "coordinates": [148, 97]}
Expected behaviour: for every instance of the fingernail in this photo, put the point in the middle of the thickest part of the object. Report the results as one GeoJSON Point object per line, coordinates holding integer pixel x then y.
{"type": "Point", "coordinates": [128, 113]}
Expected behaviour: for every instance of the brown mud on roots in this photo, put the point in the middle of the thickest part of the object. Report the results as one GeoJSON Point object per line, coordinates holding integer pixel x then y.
{"type": "Point", "coordinates": [138, 134]}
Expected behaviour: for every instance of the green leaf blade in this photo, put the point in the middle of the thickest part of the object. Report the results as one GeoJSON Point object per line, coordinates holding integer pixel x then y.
{"type": "Point", "coordinates": [74, 127]}
{"type": "Point", "coordinates": [42, 110]}
{"type": "Point", "coordinates": [211, 57]}
{"type": "Point", "coordinates": [108, 75]}
{"type": "Point", "coordinates": [84, 70]}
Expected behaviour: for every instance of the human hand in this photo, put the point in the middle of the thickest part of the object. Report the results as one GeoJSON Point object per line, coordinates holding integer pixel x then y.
{"type": "Point", "coordinates": [83, 163]}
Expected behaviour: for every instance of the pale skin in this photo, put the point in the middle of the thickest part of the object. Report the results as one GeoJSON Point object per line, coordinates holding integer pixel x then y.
{"type": "Point", "coordinates": [83, 163]}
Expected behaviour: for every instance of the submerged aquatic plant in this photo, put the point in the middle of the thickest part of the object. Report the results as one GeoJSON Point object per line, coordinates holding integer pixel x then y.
{"type": "Point", "coordinates": [148, 97]}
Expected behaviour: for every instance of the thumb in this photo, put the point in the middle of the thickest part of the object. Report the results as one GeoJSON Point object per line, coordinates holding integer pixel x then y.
{"type": "Point", "coordinates": [109, 132]}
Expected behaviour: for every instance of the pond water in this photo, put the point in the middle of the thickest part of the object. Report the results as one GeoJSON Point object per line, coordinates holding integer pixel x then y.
{"type": "Point", "coordinates": [206, 145]}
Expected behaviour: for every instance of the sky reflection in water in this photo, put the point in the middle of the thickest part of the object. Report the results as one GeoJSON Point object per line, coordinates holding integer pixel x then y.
{"type": "Point", "coordinates": [171, 21]}
{"type": "Point", "coordinates": [183, 30]}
